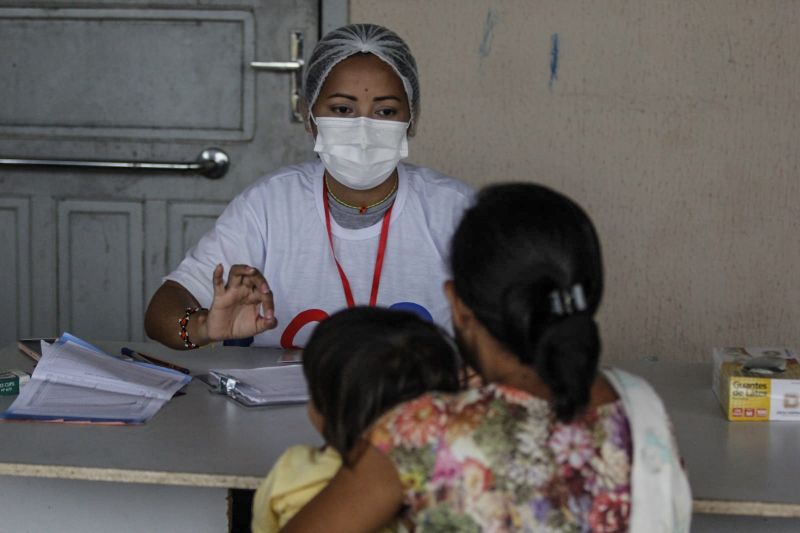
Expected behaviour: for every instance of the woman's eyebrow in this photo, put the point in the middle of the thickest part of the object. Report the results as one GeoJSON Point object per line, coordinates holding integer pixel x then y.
{"type": "Point", "coordinates": [343, 95]}
{"type": "Point", "coordinates": [382, 98]}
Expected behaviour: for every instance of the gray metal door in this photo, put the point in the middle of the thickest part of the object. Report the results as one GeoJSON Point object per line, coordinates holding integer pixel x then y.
{"type": "Point", "coordinates": [82, 250]}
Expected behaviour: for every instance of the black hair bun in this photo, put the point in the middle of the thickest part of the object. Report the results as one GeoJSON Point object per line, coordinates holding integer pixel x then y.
{"type": "Point", "coordinates": [566, 358]}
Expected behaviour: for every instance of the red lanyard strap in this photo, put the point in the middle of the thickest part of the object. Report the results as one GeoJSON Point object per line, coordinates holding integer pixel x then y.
{"type": "Point", "coordinates": [376, 277]}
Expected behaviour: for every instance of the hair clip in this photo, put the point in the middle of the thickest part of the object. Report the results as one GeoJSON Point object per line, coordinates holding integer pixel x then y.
{"type": "Point", "coordinates": [564, 302]}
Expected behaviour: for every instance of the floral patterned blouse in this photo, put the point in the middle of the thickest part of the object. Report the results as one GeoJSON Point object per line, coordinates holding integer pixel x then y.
{"type": "Point", "coordinates": [496, 459]}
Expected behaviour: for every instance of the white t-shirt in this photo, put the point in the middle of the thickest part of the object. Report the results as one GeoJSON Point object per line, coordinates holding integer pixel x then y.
{"type": "Point", "coordinates": [278, 226]}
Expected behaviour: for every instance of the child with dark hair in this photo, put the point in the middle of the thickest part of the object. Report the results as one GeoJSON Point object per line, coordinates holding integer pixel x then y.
{"type": "Point", "coordinates": [359, 363]}
{"type": "Point", "coordinates": [548, 442]}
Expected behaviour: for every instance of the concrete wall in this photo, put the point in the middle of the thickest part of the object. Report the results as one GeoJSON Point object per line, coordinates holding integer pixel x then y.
{"type": "Point", "coordinates": [674, 123]}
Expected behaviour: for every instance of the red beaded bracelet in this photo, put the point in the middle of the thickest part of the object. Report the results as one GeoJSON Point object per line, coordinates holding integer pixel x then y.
{"type": "Point", "coordinates": [183, 323]}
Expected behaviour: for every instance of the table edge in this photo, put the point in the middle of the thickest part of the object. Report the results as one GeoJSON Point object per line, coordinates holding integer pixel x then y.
{"type": "Point", "coordinates": [119, 475]}
{"type": "Point", "coordinates": [746, 508]}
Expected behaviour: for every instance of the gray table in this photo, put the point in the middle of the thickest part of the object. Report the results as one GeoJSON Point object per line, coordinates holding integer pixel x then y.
{"type": "Point", "coordinates": [735, 468]}
{"type": "Point", "coordinates": [197, 441]}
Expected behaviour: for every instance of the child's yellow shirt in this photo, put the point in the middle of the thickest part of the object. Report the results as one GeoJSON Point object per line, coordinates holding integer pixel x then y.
{"type": "Point", "coordinates": [298, 475]}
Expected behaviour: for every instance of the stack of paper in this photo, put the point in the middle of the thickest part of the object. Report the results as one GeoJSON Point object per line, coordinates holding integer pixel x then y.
{"type": "Point", "coordinates": [75, 381]}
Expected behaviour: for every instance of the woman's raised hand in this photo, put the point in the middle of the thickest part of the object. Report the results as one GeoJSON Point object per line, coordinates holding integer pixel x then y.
{"type": "Point", "coordinates": [236, 310]}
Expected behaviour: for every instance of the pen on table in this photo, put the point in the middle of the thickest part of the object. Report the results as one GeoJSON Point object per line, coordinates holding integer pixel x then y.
{"type": "Point", "coordinates": [153, 360]}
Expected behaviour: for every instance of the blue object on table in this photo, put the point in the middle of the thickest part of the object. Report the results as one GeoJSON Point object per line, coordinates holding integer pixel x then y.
{"type": "Point", "coordinates": [238, 342]}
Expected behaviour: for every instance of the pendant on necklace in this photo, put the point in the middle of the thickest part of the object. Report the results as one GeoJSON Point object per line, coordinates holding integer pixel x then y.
{"type": "Point", "coordinates": [362, 209]}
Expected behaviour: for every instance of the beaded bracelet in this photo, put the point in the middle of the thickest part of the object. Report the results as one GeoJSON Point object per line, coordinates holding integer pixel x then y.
{"type": "Point", "coordinates": [184, 322]}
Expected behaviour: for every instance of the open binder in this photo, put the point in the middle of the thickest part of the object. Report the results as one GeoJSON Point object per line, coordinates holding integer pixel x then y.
{"type": "Point", "coordinates": [270, 385]}
{"type": "Point", "coordinates": [75, 381]}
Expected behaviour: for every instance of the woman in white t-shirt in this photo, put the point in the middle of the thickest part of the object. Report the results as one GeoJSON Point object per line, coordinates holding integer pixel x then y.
{"type": "Point", "coordinates": [355, 227]}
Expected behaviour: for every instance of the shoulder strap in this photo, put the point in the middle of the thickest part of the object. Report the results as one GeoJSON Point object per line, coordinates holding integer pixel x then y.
{"type": "Point", "coordinates": [661, 499]}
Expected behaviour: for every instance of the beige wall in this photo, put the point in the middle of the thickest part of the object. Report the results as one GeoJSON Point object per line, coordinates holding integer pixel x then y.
{"type": "Point", "coordinates": [674, 123]}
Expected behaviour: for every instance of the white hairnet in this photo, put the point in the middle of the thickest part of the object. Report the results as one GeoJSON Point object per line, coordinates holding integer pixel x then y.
{"type": "Point", "coordinates": [346, 41]}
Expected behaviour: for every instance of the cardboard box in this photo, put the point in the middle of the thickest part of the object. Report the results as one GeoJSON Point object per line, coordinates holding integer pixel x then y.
{"type": "Point", "coordinates": [11, 381]}
{"type": "Point", "coordinates": [757, 383]}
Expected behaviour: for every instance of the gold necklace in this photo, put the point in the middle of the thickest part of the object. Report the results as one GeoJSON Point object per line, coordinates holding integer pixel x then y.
{"type": "Point", "coordinates": [361, 209]}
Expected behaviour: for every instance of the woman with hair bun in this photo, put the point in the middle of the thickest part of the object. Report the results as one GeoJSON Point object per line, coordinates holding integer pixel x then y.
{"type": "Point", "coordinates": [548, 442]}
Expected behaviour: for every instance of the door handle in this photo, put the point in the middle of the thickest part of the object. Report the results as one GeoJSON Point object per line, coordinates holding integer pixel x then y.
{"type": "Point", "coordinates": [294, 67]}
{"type": "Point", "coordinates": [212, 163]}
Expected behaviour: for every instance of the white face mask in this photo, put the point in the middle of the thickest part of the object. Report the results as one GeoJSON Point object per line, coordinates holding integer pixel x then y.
{"type": "Point", "coordinates": [360, 152]}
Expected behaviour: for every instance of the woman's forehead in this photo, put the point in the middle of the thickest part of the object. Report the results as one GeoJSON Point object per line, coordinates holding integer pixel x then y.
{"type": "Point", "coordinates": [361, 73]}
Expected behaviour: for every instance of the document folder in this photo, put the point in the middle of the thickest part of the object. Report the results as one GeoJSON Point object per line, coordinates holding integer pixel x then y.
{"type": "Point", "coordinates": [271, 385]}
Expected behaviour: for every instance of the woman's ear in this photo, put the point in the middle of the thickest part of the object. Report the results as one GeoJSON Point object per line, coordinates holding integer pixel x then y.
{"type": "Point", "coordinates": [462, 315]}
{"type": "Point", "coordinates": [304, 112]}
{"type": "Point", "coordinates": [412, 128]}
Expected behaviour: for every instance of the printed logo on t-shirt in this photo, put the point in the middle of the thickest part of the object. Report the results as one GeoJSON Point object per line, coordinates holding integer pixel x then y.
{"type": "Point", "coordinates": [309, 316]}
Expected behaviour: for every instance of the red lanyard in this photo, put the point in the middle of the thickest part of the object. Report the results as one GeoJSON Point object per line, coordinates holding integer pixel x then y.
{"type": "Point", "coordinates": [376, 277]}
